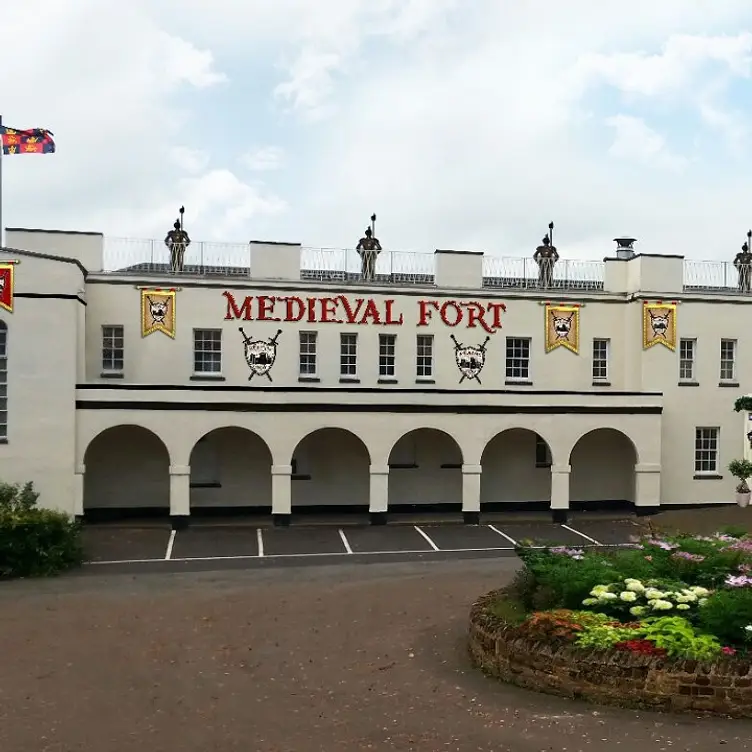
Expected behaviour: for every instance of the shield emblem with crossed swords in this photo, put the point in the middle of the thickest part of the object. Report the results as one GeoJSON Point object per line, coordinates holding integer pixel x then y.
{"type": "Point", "coordinates": [260, 354]}
{"type": "Point", "coordinates": [470, 359]}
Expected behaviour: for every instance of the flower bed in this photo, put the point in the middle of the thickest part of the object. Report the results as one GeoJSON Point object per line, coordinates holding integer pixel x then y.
{"type": "Point", "coordinates": [666, 624]}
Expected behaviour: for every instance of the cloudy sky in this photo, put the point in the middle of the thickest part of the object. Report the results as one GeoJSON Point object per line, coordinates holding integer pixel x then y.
{"type": "Point", "coordinates": [463, 124]}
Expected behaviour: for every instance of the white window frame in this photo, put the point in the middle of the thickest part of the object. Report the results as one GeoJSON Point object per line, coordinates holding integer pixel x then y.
{"type": "Point", "coordinates": [517, 361]}
{"type": "Point", "coordinates": [205, 348]}
{"type": "Point", "coordinates": [308, 361]}
{"type": "Point", "coordinates": [707, 450]}
{"type": "Point", "coordinates": [725, 361]}
{"type": "Point", "coordinates": [687, 365]}
{"type": "Point", "coordinates": [387, 356]}
{"type": "Point", "coordinates": [424, 357]}
{"type": "Point", "coordinates": [348, 355]}
{"type": "Point", "coordinates": [601, 360]}
{"type": "Point", "coordinates": [3, 382]}
{"type": "Point", "coordinates": [113, 344]}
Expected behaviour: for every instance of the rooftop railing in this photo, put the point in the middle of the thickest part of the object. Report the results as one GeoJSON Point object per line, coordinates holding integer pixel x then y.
{"type": "Point", "coordinates": [343, 266]}
{"type": "Point", "coordinates": [717, 276]}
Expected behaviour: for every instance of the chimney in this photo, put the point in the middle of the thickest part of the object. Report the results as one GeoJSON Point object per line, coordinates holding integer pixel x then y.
{"type": "Point", "coordinates": [625, 247]}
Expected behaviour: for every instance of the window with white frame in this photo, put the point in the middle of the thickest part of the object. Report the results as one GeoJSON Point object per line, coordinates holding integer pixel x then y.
{"type": "Point", "coordinates": [387, 354]}
{"type": "Point", "coordinates": [348, 354]}
{"type": "Point", "coordinates": [424, 356]}
{"type": "Point", "coordinates": [207, 351]}
{"type": "Point", "coordinates": [518, 359]}
{"type": "Point", "coordinates": [687, 354]}
{"type": "Point", "coordinates": [706, 451]}
{"type": "Point", "coordinates": [3, 380]}
{"type": "Point", "coordinates": [308, 343]}
{"type": "Point", "coordinates": [728, 360]}
{"type": "Point", "coordinates": [113, 349]}
{"type": "Point", "coordinates": [601, 349]}
{"type": "Point", "coordinates": [542, 452]}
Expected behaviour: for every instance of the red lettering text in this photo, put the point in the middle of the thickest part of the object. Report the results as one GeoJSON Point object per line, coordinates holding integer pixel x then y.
{"type": "Point", "coordinates": [446, 317]}
{"type": "Point", "coordinates": [389, 314]}
{"type": "Point", "coordinates": [371, 312]}
{"type": "Point", "coordinates": [496, 309]}
{"type": "Point", "coordinates": [475, 314]}
{"type": "Point", "coordinates": [329, 309]}
{"type": "Point", "coordinates": [424, 307]}
{"type": "Point", "coordinates": [233, 312]}
{"type": "Point", "coordinates": [266, 308]}
{"type": "Point", "coordinates": [352, 316]}
{"type": "Point", "coordinates": [294, 300]}
{"type": "Point", "coordinates": [311, 310]}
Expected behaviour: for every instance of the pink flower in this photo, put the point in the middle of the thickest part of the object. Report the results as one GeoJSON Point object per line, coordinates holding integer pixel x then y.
{"type": "Point", "coordinates": [648, 558]}
{"type": "Point", "coordinates": [686, 555]}
{"type": "Point", "coordinates": [728, 651]}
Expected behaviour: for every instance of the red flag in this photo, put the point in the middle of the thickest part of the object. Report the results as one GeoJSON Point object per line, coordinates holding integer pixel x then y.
{"type": "Point", "coordinates": [6, 286]}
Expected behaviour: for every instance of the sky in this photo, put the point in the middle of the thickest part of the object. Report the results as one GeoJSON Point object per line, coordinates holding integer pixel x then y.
{"type": "Point", "coordinates": [462, 125]}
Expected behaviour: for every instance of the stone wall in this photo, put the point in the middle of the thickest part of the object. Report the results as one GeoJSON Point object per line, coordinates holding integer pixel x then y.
{"type": "Point", "coordinates": [723, 687]}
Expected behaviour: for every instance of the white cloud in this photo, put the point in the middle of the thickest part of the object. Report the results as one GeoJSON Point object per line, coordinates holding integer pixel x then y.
{"type": "Point", "coordinates": [264, 158]}
{"type": "Point", "coordinates": [635, 141]}
{"type": "Point", "coordinates": [461, 124]}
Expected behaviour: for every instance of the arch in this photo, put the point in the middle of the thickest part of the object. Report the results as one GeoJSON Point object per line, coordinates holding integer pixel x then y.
{"type": "Point", "coordinates": [516, 468]}
{"type": "Point", "coordinates": [127, 467]}
{"type": "Point", "coordinates": [231, 466]}
{"type": "Point", "coordinates": [603, 467]}
{"type": "Point", "coordinates": [3, 380]}
{"type": "Point", "coordinates": [425, 467]}
{"type": "Point", "coordinates": [330, 468]}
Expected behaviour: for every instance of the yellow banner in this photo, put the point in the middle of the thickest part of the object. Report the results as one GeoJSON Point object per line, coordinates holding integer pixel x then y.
{"type": "Point", "coordinates": [659, 325]}
{"type": "Point", "coordinates": [158, 311]}
{"type": "Point", "coordinates": [562, 327]}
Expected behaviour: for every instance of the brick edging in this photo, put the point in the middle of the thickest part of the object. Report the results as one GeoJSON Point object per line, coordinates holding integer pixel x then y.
{"type": "Point", "coordinates": [723, 687]}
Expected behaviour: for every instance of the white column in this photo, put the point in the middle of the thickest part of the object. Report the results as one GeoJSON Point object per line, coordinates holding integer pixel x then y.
{"type": "Point", "coordinates": [282, 491]}
{"type": "Point", "coordinates": [471, 493]}
{"type": "Point", "coordinates": [647, 485]}
{"type": "Point", "coordinates": [78, 491]}
{"type": "Point", "coordinates": [378, 499]}
{"type": "Point", "coordinates": [180, 491]}
{"type": "Point", "coordinates": [560, 491]}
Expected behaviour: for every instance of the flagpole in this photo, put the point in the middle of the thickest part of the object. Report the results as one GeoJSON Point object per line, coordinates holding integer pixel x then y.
{"type": "Point", "coordinates": [2, 227]}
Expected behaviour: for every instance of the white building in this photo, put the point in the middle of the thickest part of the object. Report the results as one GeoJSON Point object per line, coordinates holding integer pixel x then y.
{"type": "Point", "coordinates": [614, 383]}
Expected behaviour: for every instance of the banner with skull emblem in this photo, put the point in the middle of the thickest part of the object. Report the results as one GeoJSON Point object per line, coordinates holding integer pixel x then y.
{"type": "Point", "coordinates": [659, 325]}
{"type": "Point", "coordinates": [6, 284]}
{"type": "Point", "coordinates": [158, 311]}
{"type": "Point", "coordinates": [562, 327]}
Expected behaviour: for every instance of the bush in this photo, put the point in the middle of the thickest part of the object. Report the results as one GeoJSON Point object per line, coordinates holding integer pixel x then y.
{"type": "Point", "coordinates": [35, 542]}
{"type": "Point", "coordinates": [727, 613]}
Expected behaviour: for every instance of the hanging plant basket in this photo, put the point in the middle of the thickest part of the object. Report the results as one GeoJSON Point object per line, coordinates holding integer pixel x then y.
{"type": "Point", "coordinates": [743, 403]}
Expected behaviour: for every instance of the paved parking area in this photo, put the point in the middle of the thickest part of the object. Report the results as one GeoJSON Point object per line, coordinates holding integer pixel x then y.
{"type": "Point", "coordinates": [217, 546]}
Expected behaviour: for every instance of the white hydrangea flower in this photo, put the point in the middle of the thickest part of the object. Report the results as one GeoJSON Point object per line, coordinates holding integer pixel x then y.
{"type": "Point", "coordinates": [598, 590]}
{"type": "Point", "coordinates": [635, 586]}
{"type": "Point", "coordinates": [653, 594]}
{"type": "Point", "coordinates": [637, 610]}
{"type": "Point", "coordinates": [661, 605]}
{"type": "Point", "coordinates": [628, 596]}
{"type": "Point", "coordinates": [748, 628]}
{"type": "Point", "coordinates": [702, 601]}
{"type": "Point", "coordinates": [606, 596]}
{"type": "Point", "coordinates": [701, 592]}
{"type": "Point", "coordinates": [589, 601]}
{"type": "Point", "coordinates": [682, 607]}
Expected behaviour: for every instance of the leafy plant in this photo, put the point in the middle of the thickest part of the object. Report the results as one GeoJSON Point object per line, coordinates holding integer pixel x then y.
{"type": "Point", "coordinates": [727, 613]}
{"type": "Point", "coordinates": [559, 624]}
{"type": "Point", "coordinates": [33, 541]}
{"type": "Point", "coordinates": [734, 531]}
{"type": "Point", "coordinates": [678, 638]}
{"type": "Point", "coordinates": [743, 403]}
{"type": "Point", "coordinates": [741, 470]}
{"type": "Point", "coordinates": [605, 635]}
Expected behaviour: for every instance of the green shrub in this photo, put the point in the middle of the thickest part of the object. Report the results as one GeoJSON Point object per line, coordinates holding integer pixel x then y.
{"type": "Point", "coordinates": [604, 635]}
{"type": "Point", "coordinates": [727, 613]}
{"type": "Point", "coordinates": [564, 582]}
{"type": "Point", "coordinates": [35, 542]}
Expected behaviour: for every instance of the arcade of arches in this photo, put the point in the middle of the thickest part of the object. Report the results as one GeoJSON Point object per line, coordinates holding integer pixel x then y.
{"type": "Point", "coordinates": [332, 467]}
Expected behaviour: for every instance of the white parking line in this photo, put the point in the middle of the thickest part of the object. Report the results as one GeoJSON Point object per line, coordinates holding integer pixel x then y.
{"type": "Point", "coordinates": [577, 532]}
{"type": "Point", "coordinates": [503, 535]}
{"type": "Point", "coordinates": [170, 544]}
{"type": "Point", "coordinates": [430, 542]}
{"type": "Point", "coordinates": [345, 542]}
{"type": "Point", "coordinates": [260, 541]}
